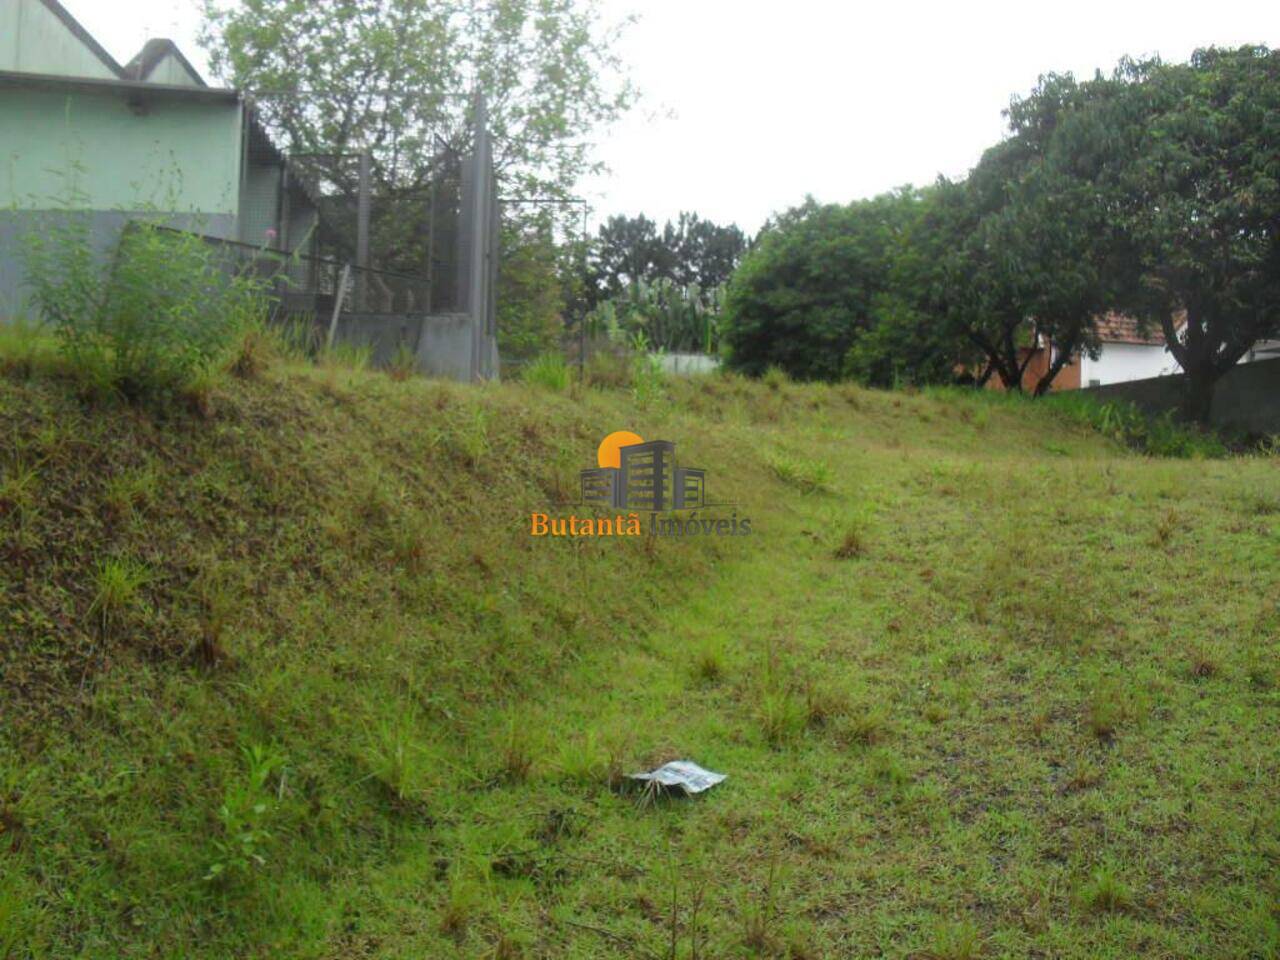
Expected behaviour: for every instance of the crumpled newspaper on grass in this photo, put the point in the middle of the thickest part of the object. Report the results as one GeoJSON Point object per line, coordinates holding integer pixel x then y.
{"type": "Point", "coordinates": [680, 776]}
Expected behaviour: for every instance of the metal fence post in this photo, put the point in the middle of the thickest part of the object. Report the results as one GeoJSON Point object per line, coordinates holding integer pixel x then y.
{"type": "Point", "coordinates": [337, 305]}
{"type": "Point", "coordinates": [431, 247]}
{"type": "Point", "coordinates": [481, 223]}
{"type": "Point", "coordinates": [362, 234]}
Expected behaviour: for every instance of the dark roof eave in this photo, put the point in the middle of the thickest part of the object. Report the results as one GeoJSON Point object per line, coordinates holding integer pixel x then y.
{"type": "Point", "coordinates": [134, 89]}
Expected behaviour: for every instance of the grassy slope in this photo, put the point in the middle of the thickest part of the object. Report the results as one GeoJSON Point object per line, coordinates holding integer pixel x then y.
{"type": "Point", "coordinates": [1034, 714]}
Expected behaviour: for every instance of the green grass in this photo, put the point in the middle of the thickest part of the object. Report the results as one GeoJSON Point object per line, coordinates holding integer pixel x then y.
{"type": "Point", "coordinates": [979, 698]}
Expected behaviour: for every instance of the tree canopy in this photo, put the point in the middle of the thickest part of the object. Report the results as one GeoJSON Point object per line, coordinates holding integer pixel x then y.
{"type": "Point", "coordinates": [688, 252]}
{"type": "Point", "coordinates": [394, 77]}
{"type": "Point", "coordinates": [1154, 191]}
{"type": "Point", "coordinates": [1195, 173]}
{"type": "Point", "coordinates": [814, 281]}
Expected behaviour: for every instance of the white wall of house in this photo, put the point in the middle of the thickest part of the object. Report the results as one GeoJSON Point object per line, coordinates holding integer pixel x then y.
{"type": "Point", "coordinates": [1120, 362]}
{"type": "Point", "coordinates": [687, 363]}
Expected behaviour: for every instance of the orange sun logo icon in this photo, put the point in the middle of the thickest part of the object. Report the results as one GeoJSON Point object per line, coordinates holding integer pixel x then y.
{"type": "Point", "coordinates": [608, 455]}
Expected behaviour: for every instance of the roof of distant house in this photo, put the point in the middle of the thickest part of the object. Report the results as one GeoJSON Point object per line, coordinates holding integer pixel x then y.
{"type": "Point", "coordinates": [1117, 328]}
{"type": "Point", "coordinates": [150, 56]}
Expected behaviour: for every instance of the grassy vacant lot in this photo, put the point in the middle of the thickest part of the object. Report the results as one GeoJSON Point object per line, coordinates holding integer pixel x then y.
{"type": "Point", "coordinates": [287, 677]}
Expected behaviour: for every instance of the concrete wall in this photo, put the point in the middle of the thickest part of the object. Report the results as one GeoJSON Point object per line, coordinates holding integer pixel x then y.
{"type": "Point", "coordinates": [445, 347]}
{"type": "Point", "coordinates": [441, 344]}
{"type": "Point", "coordinates": [687, 363]}
{"type": "Point", "coordinates": [103, 227]}
{"type": "Point", "coordinates": [384, 334]}
{"type": "Point", "coordinates": [1121, 362]}
{"type": "Point", "coordinates": [34, 40]}
{"type": "Point", "coordinates": [1247, 398]}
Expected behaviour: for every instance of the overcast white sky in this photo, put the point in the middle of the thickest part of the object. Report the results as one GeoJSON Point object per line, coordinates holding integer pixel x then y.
{"type": "Point", "coordinates": [773, 99]}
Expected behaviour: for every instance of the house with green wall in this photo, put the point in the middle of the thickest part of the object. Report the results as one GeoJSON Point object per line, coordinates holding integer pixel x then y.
{"type": "Point", "coordinates": [81, 134]}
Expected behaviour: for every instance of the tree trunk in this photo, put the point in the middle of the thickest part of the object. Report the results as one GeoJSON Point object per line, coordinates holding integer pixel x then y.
{"type": "Point", "coordinates": [1045, 382]}
{"type": "Point", "coordinates": [1197, 358]}
{"type": "Point", "coordinates": [1065, 353]}
{"type": "Point", "coordinates": [1197, 400]}
{"type": "Point", "coordinates": [1009, 379]}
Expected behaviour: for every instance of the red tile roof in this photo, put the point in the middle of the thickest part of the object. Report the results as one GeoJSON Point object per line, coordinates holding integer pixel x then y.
{"type": "Point", "coordinates": [1117, 328]}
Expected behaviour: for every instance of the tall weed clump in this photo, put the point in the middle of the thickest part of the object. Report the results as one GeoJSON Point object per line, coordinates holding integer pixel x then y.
{"type": "Point", "coordinates": [548, 371]}
{"type": "Point", "coordinates": [148, 321]}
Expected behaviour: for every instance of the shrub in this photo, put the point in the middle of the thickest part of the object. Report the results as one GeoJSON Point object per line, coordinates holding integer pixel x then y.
{"type": "Point", "coordinates": [1159, 436]}
{"type": "Point", "coordinates": [148, 322]}
{"type": "Point", "coordinates": [243, 841]}
{"type": "Point", "coordinates": [549, 371]}
{"type": "Point", "coordinates": [25, 348]}
{"type": "Point", "coordinates": [609, 369]}
{"type": "Point", "coordinates": [648, 381]}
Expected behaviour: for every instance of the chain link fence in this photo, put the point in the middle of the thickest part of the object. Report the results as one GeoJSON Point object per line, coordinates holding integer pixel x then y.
{"type": "Point", "coordinates": [353, 249]}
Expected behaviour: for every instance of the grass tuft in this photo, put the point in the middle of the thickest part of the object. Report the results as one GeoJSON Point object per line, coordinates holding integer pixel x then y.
{"type": "Point", "coordinates": [1203, 664]}
{"type": "Point", "coordinates": [959, 940]}
{"type": "Point", "coordinates": [775, 378]}
{"type": "Point", "coordinates": [804, 474]}
{"type": "Point", "coordinates": [548, 371]}
{"type": "Point", "coordinates": [1106, 892]}
{"type": "Point", "coordinates": [852, 544]}
{"type": "Point", "coordinates": [117, 587]}
{"type": "Point", "coordinates": [783, 717]}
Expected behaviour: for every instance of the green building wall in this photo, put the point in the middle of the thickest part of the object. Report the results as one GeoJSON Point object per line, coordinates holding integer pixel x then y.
{"type": "Point", "coordinates": [170, 154]}
{"type": "Point", "coordinates": [112, 157]}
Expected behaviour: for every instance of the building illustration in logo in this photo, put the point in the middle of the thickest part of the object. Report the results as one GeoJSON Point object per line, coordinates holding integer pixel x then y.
{"type": "Point", "coordinates": [635, 475]}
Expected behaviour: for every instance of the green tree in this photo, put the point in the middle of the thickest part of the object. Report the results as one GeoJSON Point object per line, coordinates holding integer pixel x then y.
{"type": "Point", "coordinates": [690, 252]}
{"type": "Point", "coordinates": [704, 253]}
{"type": "Point", "coordinates": [625, 251]}
{"type": "Point", "coordinates": [903, 341]}
{"type": "Point", "coordinates": [532, 293]}
{"type": "Point", "coordinates": [1191, 160]}
{"type": "Point", "coordinates": [393, 77]}
{"type": "Point", "coordinates": [813, 283]}
{"type": "Point", "coordinates": [1026, 253]}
